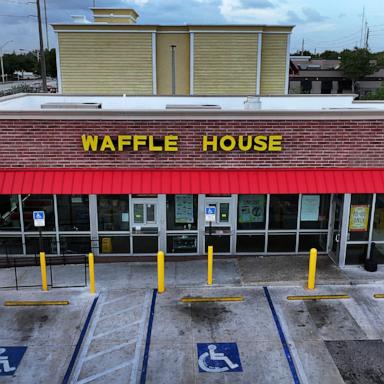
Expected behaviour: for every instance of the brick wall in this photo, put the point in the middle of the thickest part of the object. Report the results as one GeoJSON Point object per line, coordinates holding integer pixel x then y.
{"type": "Point", "coordinates": [321, 143]}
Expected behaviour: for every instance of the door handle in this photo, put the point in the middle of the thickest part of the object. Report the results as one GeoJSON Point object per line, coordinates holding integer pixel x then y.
{"type": "Point", "coordinates": [337, 238]}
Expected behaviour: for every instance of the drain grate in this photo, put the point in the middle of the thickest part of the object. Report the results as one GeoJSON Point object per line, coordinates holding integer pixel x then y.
{"type": "Point", "coordinates": [359, 361]}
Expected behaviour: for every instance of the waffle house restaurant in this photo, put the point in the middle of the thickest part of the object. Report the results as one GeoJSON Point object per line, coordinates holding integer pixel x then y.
{"type": "Point", "coordinates": [128, 176]}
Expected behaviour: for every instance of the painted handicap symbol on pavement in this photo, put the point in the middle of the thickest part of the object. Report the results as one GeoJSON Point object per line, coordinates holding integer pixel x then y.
{"type": "Point", "coordinates": [10, 358]}
{"type": "Point", "coordinates": [218, 357]}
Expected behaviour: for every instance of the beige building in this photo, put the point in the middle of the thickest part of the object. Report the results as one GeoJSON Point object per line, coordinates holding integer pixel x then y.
{"type": "Point", "coordinates": [115, 55]}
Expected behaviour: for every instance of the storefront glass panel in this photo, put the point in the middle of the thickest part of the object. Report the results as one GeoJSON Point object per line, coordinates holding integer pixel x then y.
{"type": "Point", "coordinates": [314, 211]}
{"type": "Point", "coordinates": [9, 213]}
{"type": "Point", "coordinates": [114, 244]}
{"type": "Point", "coordinates": [75, 244]}
{"type": "Point", "coordinates": [250, 243]}
{"type": "Point", "coordinates": [49, 245]}
{"type": "Point", "coordinates": [313, 240]}
{"type": "Point", "coordinates": [283, 211]}
{"type": "Point", "coordinates": [145, 244]}
{"type": "Point", "coordinates": [182, 212]}
{"type": "Point", "coordinates": [378, 223]}
{"type": "Point", "coordinates": [281, 242]}
{"type": "Point", "coordinates": [38, 203]}
{"type": "Point", "coordinates": [359, 217]}
{"type": "Point", "coordinates": [182, 243]}
{"type": "Point", "coordinates": [11, 246]}
{"type": "Point", "coordinates": [113, 212]}
{"type": "Point", "coordinates": [220, 243]}
{"type": "Point", "coordinates": [379, 253]}
{"type": "Point", "coordinates": [73, 212]}
{"type": "Point", "coordinates": [356, 253]}
{"type": "Point", "coordinates": [251, 212]}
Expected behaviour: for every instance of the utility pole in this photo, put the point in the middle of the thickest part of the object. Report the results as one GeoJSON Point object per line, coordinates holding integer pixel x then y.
{"type": "Point", "coordinates": [42, 55]}
{"type": "Point", "coordinates": [366, 39]}
{"type": "Point", "coordinates": [362, 28]}
{"type": "Point", "coordinates": [46, 23]}
{"type": "Point", "coordinates": [1, 59]}
{"type": "Point", "coordinates": [302, 48]}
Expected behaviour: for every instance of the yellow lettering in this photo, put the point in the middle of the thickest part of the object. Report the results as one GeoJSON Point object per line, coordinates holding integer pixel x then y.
{"type": "Point", "coordinates": [123, 140]}
{"type": "Point", "coordinates": [139, 140]}
{"type": "Point", "coordinates": [90, 142]}
{"type": "Point", "coordinates": [261, 143]}
{"type": "Point", "coordinates": [227, 147]}
{"type": "Point", "coordinates": [107, 144]}
{"type": "Point", "coordinates": [275, 143]}
{"type": "Point", "coordinates": [170, 143]}
{"type": "Point", "coordinates": [245, 147]}
{"type": "Point", "coordinates": [152, 146]}
{"type": "Point", "coordinates": [212, 143]}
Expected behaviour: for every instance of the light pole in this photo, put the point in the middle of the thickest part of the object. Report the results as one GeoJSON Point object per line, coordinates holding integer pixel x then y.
{"type": "Point", "coordinates": [1, 59]}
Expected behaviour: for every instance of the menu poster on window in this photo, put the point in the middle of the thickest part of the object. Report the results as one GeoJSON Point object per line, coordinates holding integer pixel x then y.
{"type": "Point", "coordinates": [310, 205]}
{"type": "Point", "coordinates": [251, 208]}
{"type": "Point", "coordinates": [358, 218]}
{"type": "Point", "coordinates": [184, 209]}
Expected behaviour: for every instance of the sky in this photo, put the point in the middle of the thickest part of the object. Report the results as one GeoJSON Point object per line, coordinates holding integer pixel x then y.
{"type": "Point", "coordinates": [323, 24]}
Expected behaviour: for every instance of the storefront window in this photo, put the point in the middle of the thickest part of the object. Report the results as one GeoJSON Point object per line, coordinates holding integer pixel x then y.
{"type": "Point", "coordinates": [9, 213]}
{"type": "Point", "coordinates": [251, 212]}
{"type": "Point", "coordinates": [378, 223]}
{"type": "Point", "coordinates": [49, 245]}
{"type": "Point", "coordinates": [114, 244]}
{"type": "Point", "coordinates": [73, 212]}
{"type": "Point", "coordinates": [359, 217]}
{"type": "Point", "coordinates": [283, 211]}
{"type": "Point", "coordinates": [38, 203]}
{"type": "Point", "coordinates": [220, 243]}
{"type": "Point", "coordinates": [356, 253]}
{"type": "Point", "coordinates": [379, 253]}
{"type": "Point", "coordinates": [75, 245]}
{"type": "Point", "coordinates": [182, 244]}
{"type": "Point", "coordinates": [145, 244]}
{"type": "Point", "coordinates": [314, 211]}
{"type": "Point", "coordinates": [182, 212]}
{"type": "Point", "coordinates": [250, 243]}
{"type": "Point", "coordinates": [113, 212]}
{"type": "Point", "coordinates": [281, 242]}
{"type": "Point", "coordinates": [11, 246]}
{"type": "Point", "coordinates": [313, 240]}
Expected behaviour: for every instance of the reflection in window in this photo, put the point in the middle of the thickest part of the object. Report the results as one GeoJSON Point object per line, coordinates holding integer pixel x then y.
{"type": "Point", "coordinates": [182, 244]}
{"type": "Point", "coordinates": [283, 211]}
{"type": "Point", "coordinates": [11, 246]}
{"type": "Point", "coordinates": [114, 244]}
{"type": "Point", "coordinates": [73, 212]}
{"type": "Point", "coordinates": [314, 211]}
{"type": "Point", "coordinates": [251, 212]}
{"type": "Point", "coordinates": [359, 217]}
{"type": "Point", "coordinates": [378, 223]}
{"type": "Point", "coordinates": [181, 212]}
{"type": "Point", "coordinates": [113, 212]}
{"type": "Point", "coordinates": [49, 245]}
{"type": "Point", "coordinates": [38, 203]}
{"type": "Point", "coordinates": [9, 213]}
{"type": "Point", "coordinates": [75, 245]}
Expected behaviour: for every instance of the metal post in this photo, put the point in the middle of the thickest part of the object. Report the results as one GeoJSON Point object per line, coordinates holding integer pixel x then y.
{"type": "Point", "coordinates": [42, 55]}
{"type": "Point", "coordinates": [312, 268]}
{"type": "Point", "coordinates": [160, 272]}
{"type": "Point", "coordinates": [173, 47]}
{"type": "Point", "coordinates": [91, 262]}
{"type": "Point", "coordinates": [43, 267]}
{"type": "Point", "coordinates": [210, 265]}
{"type": "Point", "coordinates": [46, 23]}
{"type": "Point", "coordinates": [2, 67]}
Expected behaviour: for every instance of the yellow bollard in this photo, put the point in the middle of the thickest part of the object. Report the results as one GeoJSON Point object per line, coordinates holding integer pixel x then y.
{"type": "Point", "coordinates": [91, 262]}
{"type": "Point", "coordinates": [160, 272]}
{"type": "Point", "coordinates": [312, 268]}
{"type": "Point", "coordinates": [43, 267]}
{"type": "Point", "coordinates": [210, 265]}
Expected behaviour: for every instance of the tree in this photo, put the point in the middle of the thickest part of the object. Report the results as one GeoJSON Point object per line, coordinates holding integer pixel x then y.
{"type": "Point", "coordinates": [329, 55]}
{"type": "Point", "coordinates": [378, 94]}
{"type": "Point", "coordinates": [356, 64]}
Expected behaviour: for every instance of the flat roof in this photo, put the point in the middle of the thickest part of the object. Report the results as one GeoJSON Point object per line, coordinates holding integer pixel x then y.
{"type": "Point", "coordinates": [45, 104]}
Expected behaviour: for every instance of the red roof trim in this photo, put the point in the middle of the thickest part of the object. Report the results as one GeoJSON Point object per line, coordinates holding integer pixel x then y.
{"type": "Point", "coordinates": [242, 181]}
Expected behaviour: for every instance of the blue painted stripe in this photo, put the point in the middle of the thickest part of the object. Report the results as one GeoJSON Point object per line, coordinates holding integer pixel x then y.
{"type": "Point", "coordinates": [282, 338]}
{"type": "Point", "coordinates": [79, 342]}
{"type": "Point", "coordinates": [143, 377]}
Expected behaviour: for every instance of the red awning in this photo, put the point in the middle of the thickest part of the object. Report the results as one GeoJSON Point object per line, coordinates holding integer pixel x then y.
{"type": "Point", "coordinates": [218, 181]}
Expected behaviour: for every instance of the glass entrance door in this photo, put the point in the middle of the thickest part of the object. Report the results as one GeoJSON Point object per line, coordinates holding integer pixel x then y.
{"type": "Point", "coordinates": [335, 228]}
{"type": "Point", "coordinates": [219, 233]}
{"type": "Point", "coordinates": [145, 227]}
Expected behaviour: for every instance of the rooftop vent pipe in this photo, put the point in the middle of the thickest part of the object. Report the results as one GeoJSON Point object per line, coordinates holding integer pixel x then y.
{"type": "Point", "coordinates": [252, 103]}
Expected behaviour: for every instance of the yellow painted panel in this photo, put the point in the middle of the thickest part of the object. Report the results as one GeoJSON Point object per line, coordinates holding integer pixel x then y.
{"type": "Point", "coordinates": [225, 63]}
{"type": "Point", "coordinates": [164, 63]}
{"type": "Point", "coordinates": [106, 63]}
{"type": "Point", "coordinates": [273, 64]}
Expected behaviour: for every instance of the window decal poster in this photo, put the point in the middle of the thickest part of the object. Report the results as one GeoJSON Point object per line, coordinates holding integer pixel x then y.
{"type": "Point", "coordinates": [310, 205]}
{"type": "Point", "coordinates": [184, 209]}
{"type": "Point", "coordinates": [251, 208]}
{"type": "Point", "coordinates": [358, 218]}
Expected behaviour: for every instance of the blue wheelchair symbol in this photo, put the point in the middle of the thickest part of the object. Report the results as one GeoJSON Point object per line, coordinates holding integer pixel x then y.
{"type": "Point", "coordinates": [38, 215]}
{"type": "Point", "coordinates": [218, 357]}
{"type": "Point", "coordinates": [10, 358]}
{"type": "Point", "coordinates": [210, 210]}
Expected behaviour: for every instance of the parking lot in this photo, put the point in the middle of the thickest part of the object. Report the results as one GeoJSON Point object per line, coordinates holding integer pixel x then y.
{"type": "Point", "coordinates": [139, 336]}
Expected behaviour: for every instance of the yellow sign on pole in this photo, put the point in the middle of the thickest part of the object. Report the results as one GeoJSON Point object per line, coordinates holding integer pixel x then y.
{"type": "Point", "coordinates": [359, 218]}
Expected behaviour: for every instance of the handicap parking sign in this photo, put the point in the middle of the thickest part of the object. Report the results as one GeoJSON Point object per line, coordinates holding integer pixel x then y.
{"type": "Point", "coordinates": [39, 218]}
{"type": "Point", "coordinates": [10, 358]}
{"type": "Point", "coordinates": [210, 214]}
{"type": "Point", "coordinates": [218, 357]}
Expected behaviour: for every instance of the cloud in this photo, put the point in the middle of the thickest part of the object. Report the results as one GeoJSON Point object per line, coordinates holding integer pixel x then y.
{"type": "Point", "coordinates": [312, 15]}
{"type": "Point", "coordinates": [247, 4]}
{"type": "Point", "coordinates": [140, 3]}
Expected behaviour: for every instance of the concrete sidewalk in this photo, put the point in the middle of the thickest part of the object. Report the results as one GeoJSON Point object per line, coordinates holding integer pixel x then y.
{"type": "Point", "coordinates": [244, 271]}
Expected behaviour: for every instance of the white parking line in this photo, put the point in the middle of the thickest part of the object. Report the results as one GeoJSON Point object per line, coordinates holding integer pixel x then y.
{"type": "Point", "coordinates": [115, 348]}
{"type": "Point", "coordinates": [116, 329]}
{"type": "Point", "coordinates": [106, 372]}
{"type": "Point", "coordinates": [121, 312]}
